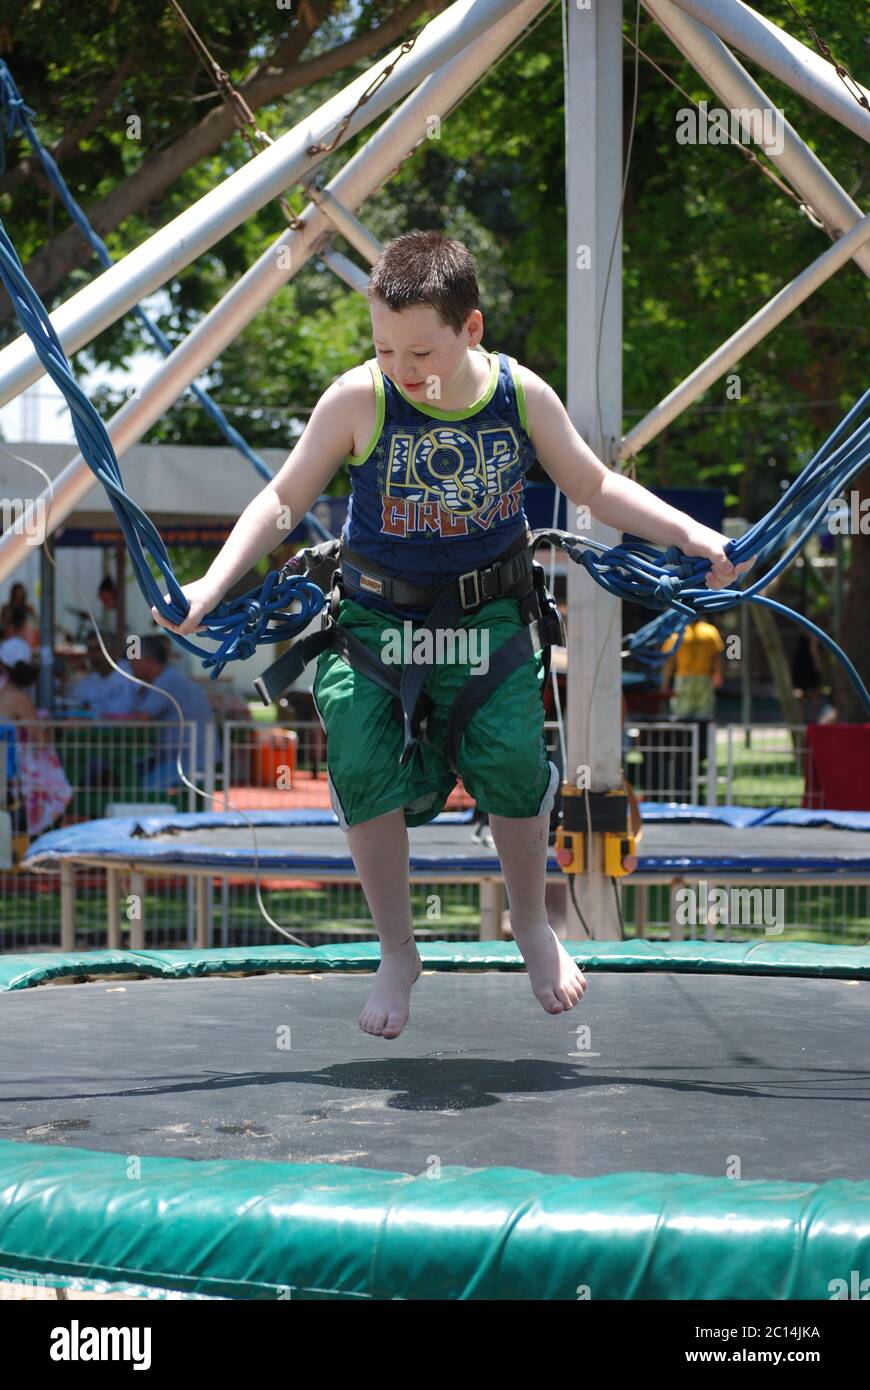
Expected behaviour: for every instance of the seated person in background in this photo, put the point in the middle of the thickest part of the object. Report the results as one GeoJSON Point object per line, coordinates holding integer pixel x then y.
{"type": "Point", "coordinates": [103, 690]}
{"type": "Point", "coordinates": [17, 675]}
{"type": "Point", "coordinates": [20, 626]}
{"type": "Point", "coordinates": [42, 784]}
{"type": "Point", "coordinates": [28, 628]}
{"type": "Point", "coordinates": [15, 651]}
{"type": "Point", "coordinates": [108, 596]}
{"type": "Point", "coordinates": [159, 771]}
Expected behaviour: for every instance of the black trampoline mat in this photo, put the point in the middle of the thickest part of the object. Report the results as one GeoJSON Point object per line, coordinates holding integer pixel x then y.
{"type": "Point", "coordinates": [681, 1073]}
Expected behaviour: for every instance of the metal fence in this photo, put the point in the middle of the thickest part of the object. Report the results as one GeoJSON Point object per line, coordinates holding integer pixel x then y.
{"type": "Point", "coordinates": [718, 764]}
{"type": "Point", "coordinates": [662, 760]}
{"type": "Point", "coordinates": [761, 765]}
{"type": "Point", "coordinates": [81, 770]}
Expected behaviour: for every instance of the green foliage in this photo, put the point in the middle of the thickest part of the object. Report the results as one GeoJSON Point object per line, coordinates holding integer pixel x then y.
{"type": "Point", "coordinates": [707, 239]}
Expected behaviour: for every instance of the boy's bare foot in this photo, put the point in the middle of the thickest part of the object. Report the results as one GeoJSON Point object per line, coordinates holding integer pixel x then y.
{"type": "Point", "coordinates": [388, 1006]}
{"type": "Point", "coordinates": [556, 981]}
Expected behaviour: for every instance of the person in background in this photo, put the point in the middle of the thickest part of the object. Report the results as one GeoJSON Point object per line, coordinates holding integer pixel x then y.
{"type": "Point", "coordinates": [17, 675]}
{"type": "Point", "coordinates": [18, 618]}
{"type": "Point", "coordinates": [108, 595]}
{"type": "Point", "coordinates": [102, 690]}
{"type": "Point", "coordinates": [694, 672]}
{"type": "Point", "coordinates": [41, 782]}
{"type": "Point", "coordinates": [159, 772]}
{"type": "Point", "coordinates": [806, 675]}
{"type": "Point", "coordinates": [16, 651]}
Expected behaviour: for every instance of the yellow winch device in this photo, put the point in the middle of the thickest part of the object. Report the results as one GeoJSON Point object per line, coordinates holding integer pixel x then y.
{"type": "Point", "coordinates": [614, 814]}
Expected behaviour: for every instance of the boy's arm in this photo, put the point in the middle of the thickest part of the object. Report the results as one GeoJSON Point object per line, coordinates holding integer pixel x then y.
{"type": "Point", "coordinates": [612, 497]}
{"type": "Point", "coordinates": [270, 516]}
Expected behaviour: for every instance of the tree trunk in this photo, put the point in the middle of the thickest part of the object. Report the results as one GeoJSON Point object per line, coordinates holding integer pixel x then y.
{"type": "Point", "coordinates": [774, 648]}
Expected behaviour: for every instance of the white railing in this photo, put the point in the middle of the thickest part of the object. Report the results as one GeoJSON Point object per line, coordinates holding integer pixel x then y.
{"type": "Point", "coordinates": [250, 765]}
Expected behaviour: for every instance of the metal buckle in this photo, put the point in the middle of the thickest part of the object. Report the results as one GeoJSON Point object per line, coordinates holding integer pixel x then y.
{"type": "Point", "coordinates": [552, 626]}
{"type": "Point", "coordinates": [475, 578]}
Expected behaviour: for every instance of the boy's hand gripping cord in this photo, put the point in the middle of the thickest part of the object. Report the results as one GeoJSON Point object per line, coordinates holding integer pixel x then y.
{"type": "Point", "coordinates": [674, 582]}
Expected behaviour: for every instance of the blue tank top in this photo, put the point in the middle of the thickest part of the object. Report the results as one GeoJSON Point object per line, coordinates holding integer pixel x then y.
{"type": "Point", "coordinates": [440, 492]}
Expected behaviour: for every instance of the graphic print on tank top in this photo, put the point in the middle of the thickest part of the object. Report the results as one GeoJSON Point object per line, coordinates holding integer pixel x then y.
{"type": "Point", "coordinates": [440, 492]}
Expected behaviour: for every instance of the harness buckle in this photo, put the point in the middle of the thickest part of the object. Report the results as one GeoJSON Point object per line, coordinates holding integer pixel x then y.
{"type": "Point", "coordinates": [474, 577]}
{"type": "Point", "coordinates": [550, 624]}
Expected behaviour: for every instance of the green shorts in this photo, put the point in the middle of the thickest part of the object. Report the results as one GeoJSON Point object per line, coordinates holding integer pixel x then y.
{"type": "Point", "coordinates": [502, 755]}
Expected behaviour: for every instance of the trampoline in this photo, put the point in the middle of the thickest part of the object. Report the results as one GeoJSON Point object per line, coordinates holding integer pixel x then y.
{"type": "Point", "coordinates": [733, 845]}
{"type": "Point", "coordinates": [194, 1121]}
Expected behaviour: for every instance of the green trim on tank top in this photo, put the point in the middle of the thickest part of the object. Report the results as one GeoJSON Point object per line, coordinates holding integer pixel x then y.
{"type": "Point", "coordinates": [520, 394]}
{"type": "Point", "coordinates": [437, 414]}
{"type": "Point", "coordinates": [380, 406]}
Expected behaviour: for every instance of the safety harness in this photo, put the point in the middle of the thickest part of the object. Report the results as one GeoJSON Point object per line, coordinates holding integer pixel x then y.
{"type": "Point", "coordinates": [513, 575]}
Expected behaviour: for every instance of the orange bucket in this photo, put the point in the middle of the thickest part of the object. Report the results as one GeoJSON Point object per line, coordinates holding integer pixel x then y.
{"type": "Point", "coordinates": [276, 748]}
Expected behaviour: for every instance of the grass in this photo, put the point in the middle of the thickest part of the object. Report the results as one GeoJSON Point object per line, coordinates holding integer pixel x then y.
{"type": "Point", "coordinates": [840, 916]}
{"type": "Point", "coordinates": [762, 776]}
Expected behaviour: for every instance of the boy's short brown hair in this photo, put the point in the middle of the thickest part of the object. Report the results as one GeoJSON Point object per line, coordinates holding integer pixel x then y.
{"type": "Point", "coordinates": [427, 268]}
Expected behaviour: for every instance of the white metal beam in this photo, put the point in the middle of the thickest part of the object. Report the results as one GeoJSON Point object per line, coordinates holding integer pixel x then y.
{"type": "Point", "coordinates": [345, 222]}
{"type": "Point", "coordinates": [360, 177]}
{"type": "Point", "coordinates": [342, 266]}
{"type": "Point", "coordinates": [110, 295]}
{"type": "Point", "coordinates": [593, 158]}
{"type": "Point", "coordinates": [746, 338]}
{"type": "Point", "coordinates": [785, 57]}
{"type": "Point", "coordinates": [732, 83]}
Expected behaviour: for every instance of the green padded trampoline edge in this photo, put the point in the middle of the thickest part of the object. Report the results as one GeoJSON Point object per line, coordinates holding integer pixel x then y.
{"type": "Point", "coordinates": [752, 958]}
{"type": "Point", "coordinates": [279, 1230]}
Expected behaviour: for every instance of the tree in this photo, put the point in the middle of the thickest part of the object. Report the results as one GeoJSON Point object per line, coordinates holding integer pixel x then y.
{"type": "Point", "coordinates": [128, 112]}
{"type": "Point", "coordinates": [707, 238]}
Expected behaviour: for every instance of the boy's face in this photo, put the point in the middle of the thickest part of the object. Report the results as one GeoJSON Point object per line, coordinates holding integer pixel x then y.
{"type": "Point", "coordinates": [416, 349]}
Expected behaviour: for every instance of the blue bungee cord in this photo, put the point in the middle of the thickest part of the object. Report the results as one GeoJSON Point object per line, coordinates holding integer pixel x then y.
{"type": "Point", "coordinates": [668, 579]}
{"type": "Point", "coordinates": [239, 625]}
{"type": "Point", "coordinates": [15, 118]}
{"type": "Point", "coordinates": [645, 644]}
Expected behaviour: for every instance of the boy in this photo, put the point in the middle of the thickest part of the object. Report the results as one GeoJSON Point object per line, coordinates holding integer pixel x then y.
{"type": "Point", "coordinates": [438, 435]}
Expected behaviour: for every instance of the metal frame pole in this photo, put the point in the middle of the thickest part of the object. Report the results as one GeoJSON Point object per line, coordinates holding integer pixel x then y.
{"type": "Point", "coordinates": [593, 135]}
{"type": "Point", "coordinates": [346, 269]}
{"type": "Point", "coordinates": [360, 177]}
{"type": "Point", "coordinates": [181, 241]}
{"type": "Point", "coordinates": [785, 57]}
{"type": "Point", "coordinates": [745, 338]}
{"type": "Point", "coordinates": [732, 83]}
{"type": "Point", "coordinates": [350, 227]}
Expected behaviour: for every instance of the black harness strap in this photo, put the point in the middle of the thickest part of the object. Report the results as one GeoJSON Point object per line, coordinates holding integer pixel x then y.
{"type": "Point", "coordinates": [514, 575]}
{"type": "Point", "coordinates": [503, 578]}
{"type": "Point", "coordinates": [544, 629]}
{"type": "Point", "coordinates": [289, 667]}
{"type": "Point", "coordinates": [473, 695]}
{"type": "Point", "coordinates": [446, 614]}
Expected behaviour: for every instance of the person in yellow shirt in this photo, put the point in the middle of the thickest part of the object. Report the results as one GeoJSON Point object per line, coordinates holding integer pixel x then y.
{"type": "Point", "coordinates": [696, 671]}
